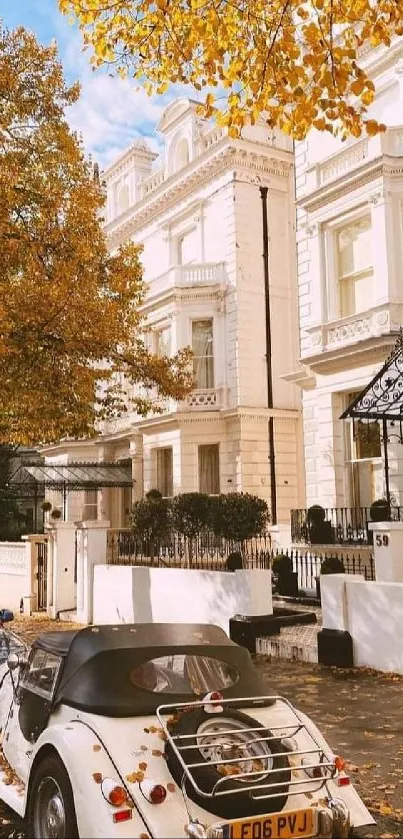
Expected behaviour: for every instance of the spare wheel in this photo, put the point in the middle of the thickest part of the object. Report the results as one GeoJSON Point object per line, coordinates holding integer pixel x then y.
{"type": "Point", "coordinates": [222, 736]}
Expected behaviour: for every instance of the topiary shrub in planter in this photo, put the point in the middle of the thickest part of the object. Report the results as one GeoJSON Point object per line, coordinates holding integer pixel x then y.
{"type": "Point", "coordinates": [239, 516]}
{"type": "Point", "coordinates": [150, 520]}
{"type": "Point", "coordinates": [234, 561]}
{"type": "Point", "coordinates": [320, 530]}
{"type": "Point", "coordinates": [378, 511]}
{"type": "Point", "coordinates": [286, 580]}
{"type": "Point", "coordinates": [330, 565]}
{"type": "Point", "coordinates": [191, 517]}
{"type": "Point", "coordinates": [191, 513]}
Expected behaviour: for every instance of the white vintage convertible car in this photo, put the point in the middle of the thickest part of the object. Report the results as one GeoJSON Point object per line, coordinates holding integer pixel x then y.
{"type": "Point", "coordinates": [155, 730]}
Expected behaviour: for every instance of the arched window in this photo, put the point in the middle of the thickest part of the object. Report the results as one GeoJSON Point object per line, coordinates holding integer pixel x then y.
{"type": "Point", "coordinates": [123, 198]}
{"type": "Point", "coordinates": [181, 154]}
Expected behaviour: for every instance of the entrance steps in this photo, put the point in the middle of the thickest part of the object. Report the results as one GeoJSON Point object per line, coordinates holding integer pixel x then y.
{"type": "Point", "coordinates": [293, 642]}
{"type": "Point", "coordinates": [70, 616]}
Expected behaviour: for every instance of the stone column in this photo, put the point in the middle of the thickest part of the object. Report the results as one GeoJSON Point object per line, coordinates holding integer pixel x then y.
{"type": "Point", "coordinates": [91, 550]}
{"type": "Point", "coordinates": [61, 560]}
{"type": "Point", "coordinates": [136, 454]}
{"type": "Point", "coordinates": [388, 550]}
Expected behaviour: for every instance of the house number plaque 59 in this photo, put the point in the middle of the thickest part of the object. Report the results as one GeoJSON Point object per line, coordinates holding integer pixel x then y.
{"type": "Point", "coordinates": [382, 540]}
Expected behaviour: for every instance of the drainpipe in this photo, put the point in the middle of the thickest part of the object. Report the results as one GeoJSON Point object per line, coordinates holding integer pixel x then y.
{"type": "Point", "coordinates": [273, 489]}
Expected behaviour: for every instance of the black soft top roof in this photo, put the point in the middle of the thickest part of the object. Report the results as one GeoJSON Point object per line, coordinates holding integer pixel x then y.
{"type": "Point", "coordinates": [99, 659]}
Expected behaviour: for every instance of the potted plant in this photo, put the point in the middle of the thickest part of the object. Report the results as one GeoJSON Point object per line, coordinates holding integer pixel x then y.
{"type": "Point", "coordinates": [286, 580]}
{"type": "Point", "coordinates": [56, 514]}
{"type": "Point", "coordinates": [378, 511]}
{"type": "Point", "coordinates": [329, 565]}
{"type": "Point", "coordinates": [320, 530]}
{"type": "Point", "coordinates": [234, 561]}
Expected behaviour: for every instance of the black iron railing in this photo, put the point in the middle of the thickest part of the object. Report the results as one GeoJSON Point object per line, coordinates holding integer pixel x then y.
{"type": "Point", "coordinates": [204, 551]}
{"type": "Point", "coordinates": [307, 566]}
{"type": "Point", "coordinates": [208, 553]}
{"type": "Point", "coordinates": [342, 526]}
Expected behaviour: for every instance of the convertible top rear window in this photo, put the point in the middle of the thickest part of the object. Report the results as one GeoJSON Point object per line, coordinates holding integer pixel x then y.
{"type": "Point", "coordinates": [100, 663]}
{"type": "Point", "coordinates": [184, 674]}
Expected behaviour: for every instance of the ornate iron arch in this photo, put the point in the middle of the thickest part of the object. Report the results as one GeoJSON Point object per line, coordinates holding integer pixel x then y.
{"type": "Point", "coordinates": [382, 400]}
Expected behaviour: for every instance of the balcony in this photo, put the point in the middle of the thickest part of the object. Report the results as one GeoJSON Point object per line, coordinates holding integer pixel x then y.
{"type": "Point", "coordinates": [188, 276]}
{"type": "Point", "coordinates": [344, 164]}
{"type": "Point", "coordinates": [342, 526]}
{"type": "Point", "coordinates": [345, 333]}
{"type": "Point", "coordinates": [208, 399]}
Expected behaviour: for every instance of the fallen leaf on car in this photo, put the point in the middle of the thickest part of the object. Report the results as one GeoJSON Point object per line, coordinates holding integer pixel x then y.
{"type": "Point", "coordinates": [143, 766]}
{"type": "Point", "coordinates": [96, 748]}
{"type": "Point", "coordinates": [156, 753]}
{"type": "Point", "coordinates": [97, 776]}
{"type": "Point", "coordinates": [135, 777]}
{"type": "Point", "coordinates": [171, 787]}
{"type": "Point", "coordinates": [144, 748]}
{"type": "Point", "coordinates": [161, 734]}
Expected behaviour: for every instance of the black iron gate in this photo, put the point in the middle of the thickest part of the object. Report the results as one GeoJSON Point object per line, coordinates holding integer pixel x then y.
{"type": "Point", "coordinates": [42, 555]}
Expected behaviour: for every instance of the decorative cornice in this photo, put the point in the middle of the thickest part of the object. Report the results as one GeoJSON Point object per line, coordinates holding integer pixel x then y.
{"type": "Point", "coordinates": [226, 155]}
{"type": "Point", "coordinates": [215, 293]}
{"type": "Point", "coordinates": [345, 184]}
{"type": "Point", "coordinates": [383, 166]}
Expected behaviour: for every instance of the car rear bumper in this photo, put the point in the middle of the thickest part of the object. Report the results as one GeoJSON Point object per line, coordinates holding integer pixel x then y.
{"type": "Point", "coordinates": [330, 822]}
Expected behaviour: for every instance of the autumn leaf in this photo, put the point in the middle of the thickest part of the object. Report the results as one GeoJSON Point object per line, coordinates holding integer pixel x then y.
{"type": "Point", "coordinates": [97, 776]}
{"type": "Point", "coordinates": [294, 64]}
{"type": "Point", "coordinates": [135, 777]}
{"type": "Point", "coordinates": [96, 748]}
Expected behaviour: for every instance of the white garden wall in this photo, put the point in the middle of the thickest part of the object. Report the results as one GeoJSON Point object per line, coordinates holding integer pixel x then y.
{"type": "Point", "coordinates": [372, 613]}
{"type": "Point", "coordinates": [15, 574]}
{"type": "Point", "coordinates": [128, 594]}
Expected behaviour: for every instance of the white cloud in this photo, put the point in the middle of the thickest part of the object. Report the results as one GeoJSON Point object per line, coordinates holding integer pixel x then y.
{"type": "Point", "coordinates": [111, 112]}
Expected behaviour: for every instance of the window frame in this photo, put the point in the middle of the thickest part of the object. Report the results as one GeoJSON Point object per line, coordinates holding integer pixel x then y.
{"type": "Point", "coordinates": [158, 451]}
{"type": "Point", "coordinates": [212, 356]}
{"type": "Point", "coordinates": [34, 688]}
{"type": "Point", "coordinates": [215, 446]}
{"type": "Point", "coordinates": [331, 231]}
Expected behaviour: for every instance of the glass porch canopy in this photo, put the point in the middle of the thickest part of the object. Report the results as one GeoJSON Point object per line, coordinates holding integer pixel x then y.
{"type": "Point", "coordinates": [382, 400]}
{"type": "Point", "coordinates": [76, 476]}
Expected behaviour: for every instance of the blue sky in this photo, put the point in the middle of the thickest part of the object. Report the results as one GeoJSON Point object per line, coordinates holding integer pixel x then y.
{"type": "Point", "coordinates": [111, 112]}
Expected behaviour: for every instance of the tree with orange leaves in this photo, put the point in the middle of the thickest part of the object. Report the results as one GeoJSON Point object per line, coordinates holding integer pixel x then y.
{"type": "Point", "coordinates": [71, 332]}
{"type": "Point", "coordinates": [294, 61]}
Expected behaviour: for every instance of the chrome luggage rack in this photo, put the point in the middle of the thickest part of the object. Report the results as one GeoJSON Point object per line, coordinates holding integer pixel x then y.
{"type": "Point", "coordinates": [324, 764]}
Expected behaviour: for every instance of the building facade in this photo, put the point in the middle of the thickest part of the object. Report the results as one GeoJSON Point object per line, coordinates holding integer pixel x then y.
{"type": "Point", "coordinates": [199, 213]}
{"type": "Point", "coordinates": [350, 257]}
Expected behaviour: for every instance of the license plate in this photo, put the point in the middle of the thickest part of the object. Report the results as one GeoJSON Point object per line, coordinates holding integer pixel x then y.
{"type": "Point", "coordinates": [288, 825]}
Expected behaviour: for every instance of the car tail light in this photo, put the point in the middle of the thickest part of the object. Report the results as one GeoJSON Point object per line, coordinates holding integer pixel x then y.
{"type": "Point", "coordinates": [113, 792]}
{"type": "Point", "coordinates": [154, 793]}
{"type": "Point", "coordinates": [339, 763]}
{"type": "Point", "coordinates": [343, 781]}
{"type": "Point", "coordinates": [211, 702]}
{"type": "Point", "coordinates": [214, 696]}
{"type": "Point", "coordinates": [122, 816]}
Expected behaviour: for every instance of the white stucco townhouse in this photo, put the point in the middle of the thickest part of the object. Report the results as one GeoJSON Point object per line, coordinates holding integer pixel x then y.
{"type": "Point", "coordinates": [198, 212]}
{"type": "Point", "coordinates": [350, 275]}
